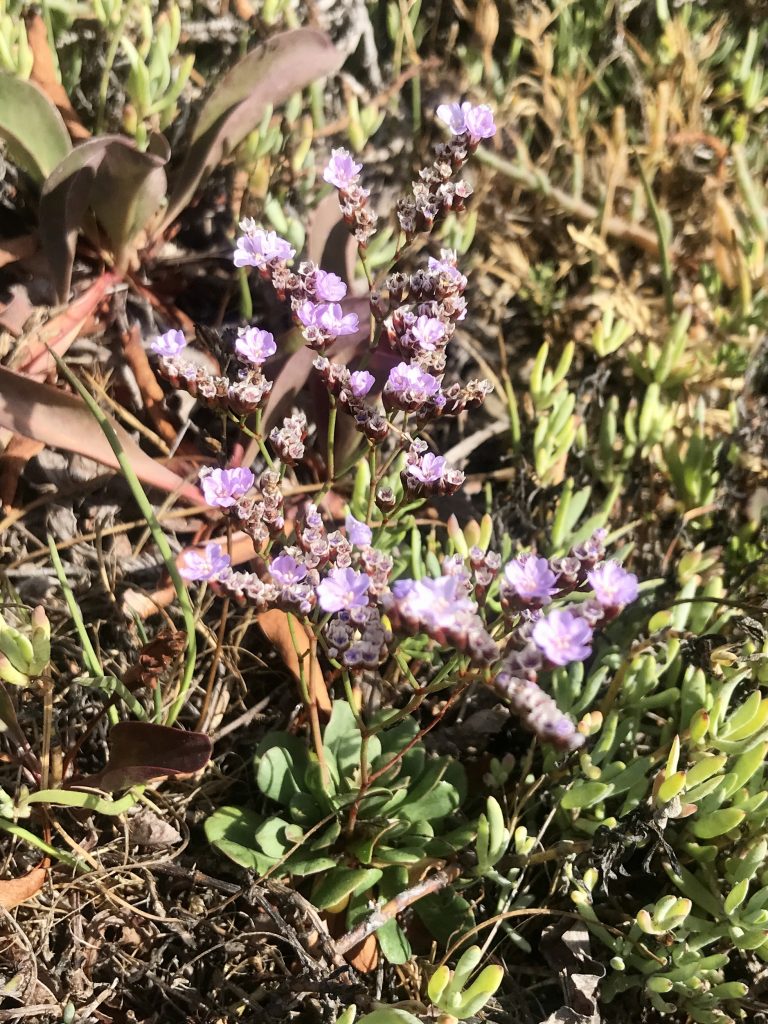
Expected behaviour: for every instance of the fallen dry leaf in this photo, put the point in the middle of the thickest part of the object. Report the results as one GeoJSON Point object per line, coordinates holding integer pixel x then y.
{"type": "Point", "coordinates": [154, 658]}
{"type": "Point", "coordinates": [366, 957]}
{"type": "Point", "coordinates": [58, 333]}
{"type": "Point", "coordinates": [44, 74]}
{"type": "Point", "coordinates": [274, 625]}
{"type": "Point", "coordinates": [16, 455]}
{"type": "Point", "coordinates": [151, 392]}
{"type": "Point", "coordinates": [14, 891]}
{"type": "Point", "coordinates": [58, 419]}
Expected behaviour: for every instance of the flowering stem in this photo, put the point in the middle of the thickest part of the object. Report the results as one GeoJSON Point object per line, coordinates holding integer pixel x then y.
{"type": "Point", "coordinates": [331, 461]}
{"type": "Point", "coordinates": [374, 483]}
{"type": "Point", "coordinates": [256, 435]}
{"type": "Point", "coordinates": [246, 300]}
{"type": "Point", "coordinates": [158, 536]}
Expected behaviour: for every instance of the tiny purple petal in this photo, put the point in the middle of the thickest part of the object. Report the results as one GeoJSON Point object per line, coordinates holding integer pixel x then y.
{"type": "Point", "coordinates": [428, 332]}
{"type": "Point", "coordinates": [343, 590]}
{"type": "Point", "coordinates": [359, 534]}
{"type": "Point", "coordinates": [207, 565]}
{"type": "Point", "coordinates": [408, 377]}
{"type": "Point", "coordinates": [259, 247]}
{"type": "Point", "coordinates": [286, 570]}
{"type": "Point", "coordinates": [614, 587]}
{"type": "Point", "coordinates": [329, 287]}
{"type": "Point", "coordinates": [342, 172]}
{"type": "Point", "coordinates": [563, 637]}
{"type": "Point", "coordinates": [479, 123]}
{"type": "Point", "coordinates": [331, 320]}
{"type": "Point", "coordinates": [360, 383]}
{"type": "Point", "coordinates": [531, 579]}
{"type": "Point", "coordinates": [255, 345]}
{"type": "Point", "coordinates": [170, 344]}
{"type": "Point", "coordinates": [224, 487]}
{"type": "Point", "coordinates": [429, 469]}
{"type": "Point", "coordinates": [307, 313]}
{"type": "Point", "coordinates": [452, 115]}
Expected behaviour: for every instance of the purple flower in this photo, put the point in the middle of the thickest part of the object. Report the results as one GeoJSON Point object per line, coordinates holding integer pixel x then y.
{"type": "Point", "coordinates": [342, 172]}
{"type": "Point", "coordinates": [343, 590]}
{"type": "Point", "coordinates": [428, 469]}
{"type": "Point", "coordinates": [614, 587]}
{"type": "Point", "coordinates": [170, 344]}
{"type": "Point", "coordinates": [463, 118]}
{"type": "Point", "coordinates": [447, 266]}
{"type": "Point", "coordinates": [563, 637]}
{"type": "Point", "coordinates": [327, 319]}
{"type": "Point", "coordinates": [434, 603]}
{"type": "Point", "coordinates": [331, 320]}
{"type": "Point", "coordinates": [255, 345]}
{"type": "Point", "coordinates": [411, 385]}
{"type": "Point", "coordinates": [329, 287]}
{"type": "Point", "coordinates": [286, 570]}
{"type": "Point", "coordinates": [257, 247]}
{"type": "Point", "coordinates": [207, 565]}
{"type": "Point", "coordinates": [224, 487]}
{"type": "Point", "coordinates": [428, 332]}
{"type": "Point", "coordinates": [531, 579]}
{"type": "Point", "coordinates": [360, 383]}
{"type": "Point", "coordinates": [359, 534]}
{"type": "Point", "coordinates": [479, 122]}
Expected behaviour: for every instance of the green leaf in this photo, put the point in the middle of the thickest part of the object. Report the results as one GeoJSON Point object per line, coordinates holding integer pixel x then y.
{"type": "Point", "coordinates": [717, 823]}
{"type": "Point", "coordinates": [342, 882]}
{"type": "Point", "coordinates": [267, 76]}
{"type": "Point", "coordinates": [271, 839]}
{"type": "Point", "coordinates": [342, 739]}
{"type": "Point", "coordinates": [585, 794]}
{"type": "Point", "coordinates": [281, 760]}
{"type": "Point", "coordinates": [103, 185]}
{"type": "Point", "coordinates": [446, 914]}
{"type": "Point", "coordinates": [32, 127]}
{"type": "Point", "coordinates": [231, 830]}
{"type": "Point", "coordinates": [393, 942]}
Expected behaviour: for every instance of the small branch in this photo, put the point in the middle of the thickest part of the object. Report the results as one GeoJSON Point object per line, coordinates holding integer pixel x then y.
{"type": "Point", "coordinates": [395, 906]}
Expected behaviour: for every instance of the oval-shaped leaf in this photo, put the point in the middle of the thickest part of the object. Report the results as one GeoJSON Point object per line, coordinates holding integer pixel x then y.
{"type": "Point", "coordinates": [343, 882]}
{"type": "Point", "coordinates": [281, 761]}
{"type": "Point", "coordinates": [266, 76]}
{"type": "Point", "coordinates": [231, 830]}
{"type": "Point", "coordinates": [717, 823]}
{"type": "Point", "coordinates": [585, 794]}
{"type": "Point", "coordinates": [32, 127]}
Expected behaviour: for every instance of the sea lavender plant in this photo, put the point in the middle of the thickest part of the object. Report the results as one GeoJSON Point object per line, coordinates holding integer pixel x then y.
{"type": "Point", "coordinates": [345, 582]}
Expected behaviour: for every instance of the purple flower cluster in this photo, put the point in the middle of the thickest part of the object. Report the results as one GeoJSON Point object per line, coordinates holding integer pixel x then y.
{"type": "Point", "coordinates": [212, 564]}
{"type": "Point", "coordinates": [260, 515]}
{"type": "Point", "coordinates": [324, 322]}
{"type": "Point", "coordinates": [464, 119]}
{"type": "Point", "coordinates": [254, 345]}
{"type": "Point", "coordinates": [344, 174]}
{"type": "Point", "coordinates": [261, 249]}
{"type": "Point", "coordinates": [170, 344]}
{"type": "Point", "coordinates": [425, 473]}
{"type": "Point", "coordinates": [351, 389]}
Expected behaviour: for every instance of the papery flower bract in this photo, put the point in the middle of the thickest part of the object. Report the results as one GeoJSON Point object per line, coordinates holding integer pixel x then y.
{"type": "Point", "coordinates": [343, 590]}
{"type": "Point", "coordinates": [614, 587]}
{"type": "Point", "coordinates": [360, 383]}
{"type": "Point", "coordinates": [286, 570]}
{"type": "Point", "coordinates": [223, 487]}
{"type": "Point", "coordinates": [331, 319]}
{"type": "Point", "coordinates": [452, 114]}
{"type": "Point", "coordinates": [447, 266]}
{"type": "Point", "coordinates": [428, 332]}
{"type": "Point", "coordinates": [255, 345]}
{"type": "Point", "coordinates": [260, 247]}
{"type": "Point", "coordinates": [206, 565]}
{"type": "Point", "coordinates": [434, 602]}
{"type": "Point", "coordinates": [563, 637]}
{"type": "Point", "coordinates": [463, 118]}
{"type": "Point", "coordinates": [170, 344]}
{"type": "Point", "coordinates": [329, 287]}
{"type": "Point", "coordinates": [359, 534]}
{"type": "Point", "coordinates": [429, 469]}
{"type": "Point", "coordinates": [410, 381]}
{"type": "Point", "coordinates": [342, 172]}
{"type": "Point", "coordinates": [531, 579]}
{"type": "Point", "coordinates": [479, 122]}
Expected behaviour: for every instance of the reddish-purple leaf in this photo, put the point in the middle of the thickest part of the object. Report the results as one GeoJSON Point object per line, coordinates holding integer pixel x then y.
{"type": "Point", "coordinates": [142, 752]}
{"type": "Point", "coordinates": [104, 184]}
{"type": "Point", "coordinates": [61, 420]}
{"type": "Point", "coordinates": [267, 76]}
